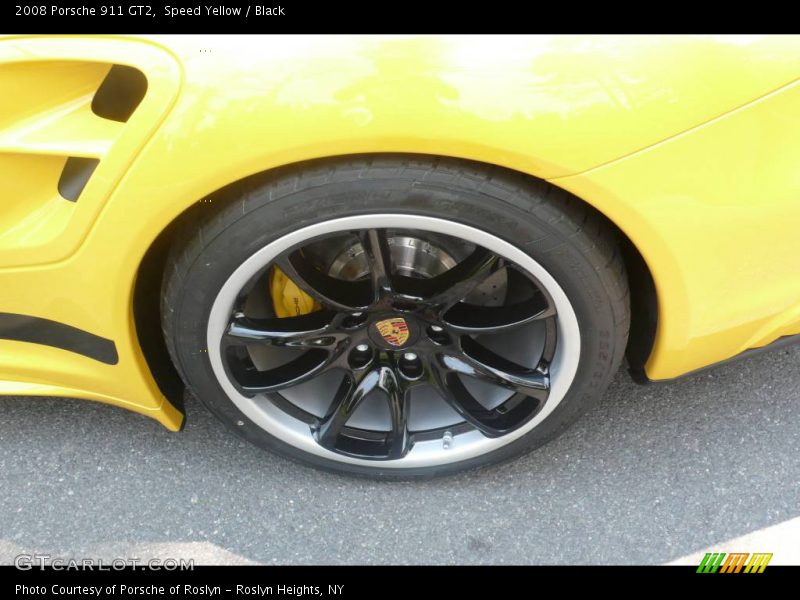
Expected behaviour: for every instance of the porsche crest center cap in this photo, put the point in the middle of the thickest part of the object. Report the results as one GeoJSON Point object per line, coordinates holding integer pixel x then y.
{"type": "Point", "coordinates": [394, 331]}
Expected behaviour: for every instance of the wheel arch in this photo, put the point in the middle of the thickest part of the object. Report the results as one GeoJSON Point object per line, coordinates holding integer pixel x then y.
{"type": "Point", "coordinates": [150, 272]}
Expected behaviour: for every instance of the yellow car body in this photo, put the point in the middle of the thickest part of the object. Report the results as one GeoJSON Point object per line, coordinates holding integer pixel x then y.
{"type": "Point", "coordinates": [689, 145]}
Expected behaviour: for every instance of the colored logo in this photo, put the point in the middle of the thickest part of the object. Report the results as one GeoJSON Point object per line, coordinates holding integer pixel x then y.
{"type": "Point", "coordinates": [394, 331]}
{"type": "Point", "coordinates": [736, 562]}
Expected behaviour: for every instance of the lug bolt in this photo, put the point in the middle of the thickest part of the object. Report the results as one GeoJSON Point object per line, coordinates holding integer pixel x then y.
{"type": "Point", "coordinates": [438, 335]}
{"type": "Point", "coordinates": [410, 365]}
{"type": "Point", "coordinates": [360, 356]}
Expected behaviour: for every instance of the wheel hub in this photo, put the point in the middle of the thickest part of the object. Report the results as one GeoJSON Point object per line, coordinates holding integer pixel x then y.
{"type": "Point", "coordinates": [394, 332]}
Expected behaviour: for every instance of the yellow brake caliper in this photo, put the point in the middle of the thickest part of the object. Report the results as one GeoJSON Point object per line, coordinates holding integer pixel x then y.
{"type": "Point", "coordinates": [288, 300]}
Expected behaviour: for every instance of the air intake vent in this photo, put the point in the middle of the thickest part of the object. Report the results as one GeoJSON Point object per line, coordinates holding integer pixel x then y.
{"type": "Point", "coordinates": [120, 93]}
{"type": "Point", "coordinates": [75, 176]}
{"type": "Point", "coordinates": [59, 121]}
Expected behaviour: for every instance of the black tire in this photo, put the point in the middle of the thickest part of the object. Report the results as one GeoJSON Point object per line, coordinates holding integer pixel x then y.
{"type": "Point", "coordinates": [559, 231]}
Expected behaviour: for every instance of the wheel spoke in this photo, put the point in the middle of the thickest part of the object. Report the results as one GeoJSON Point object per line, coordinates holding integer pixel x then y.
{"type": "Point", "coordinates": [453, 285]}
{"type": "Point", "coordinates": [399, 439]}
{"type": "Point", "coordinates": [348, 398]}
{"type": "Point", "coordinates": [464, 404]}
{"type": "Point", "coordinates": [472, 319]}
{"type": "Point", "coordinates": [550, 339]}
{"type": "Point", "coordinates": [535, 384]}
{"type": "Point", "coordinates": [331, 431]}
{"type": "Point", "coordinates": [453, 391]}
{"type": "Point", "coordinates": [251, 381]}
{"type": "Point", "coordinates": [376, 247]}
{"type": "Point", "coordinates": [330, 292]}
{"type": "Point", "coordinates": [481, 363]}
{"type": "Point", "coordinates": [491, 422]}
{"type": "Point", "coordinates": [313, 330]}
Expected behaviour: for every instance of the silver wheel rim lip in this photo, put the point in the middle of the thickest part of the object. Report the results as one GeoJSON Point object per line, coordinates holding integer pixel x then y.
{"type": "Point", "coordinates": [429, 453]}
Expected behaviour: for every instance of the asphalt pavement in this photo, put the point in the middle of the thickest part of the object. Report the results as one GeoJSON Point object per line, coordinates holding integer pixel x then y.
{"type": "Point", "coordinates": [652, 474]}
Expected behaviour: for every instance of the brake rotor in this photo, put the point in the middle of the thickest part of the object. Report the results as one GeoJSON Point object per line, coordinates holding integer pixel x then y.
{"type": "Point", "coordinates": [418, 258]}
{"type": "Point", "coordinates": [411, 257]}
